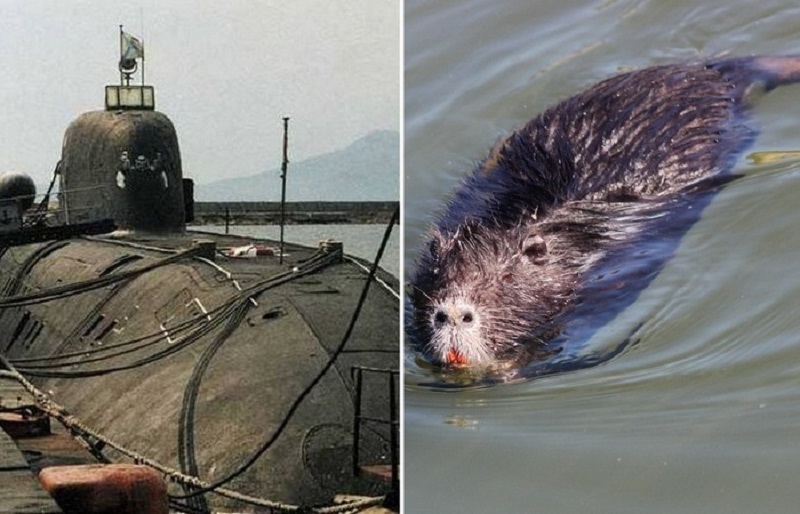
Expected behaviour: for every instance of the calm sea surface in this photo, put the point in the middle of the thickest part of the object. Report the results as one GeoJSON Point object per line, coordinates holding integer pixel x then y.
{"type": "Point", "coordinates": [703, 413]}
{"type": "Point", "coordinates": [359, 240]}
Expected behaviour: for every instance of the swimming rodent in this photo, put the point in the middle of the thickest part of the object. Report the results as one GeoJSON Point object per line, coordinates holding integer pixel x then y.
{"type": "Point", "coordinates": [588, 176]}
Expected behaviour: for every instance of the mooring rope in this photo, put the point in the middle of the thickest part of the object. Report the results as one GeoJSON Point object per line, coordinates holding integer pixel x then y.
{"type": "Point", "coordinates": [72, 423]}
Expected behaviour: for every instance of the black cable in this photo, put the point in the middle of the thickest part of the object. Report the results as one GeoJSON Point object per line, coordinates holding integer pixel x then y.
{"type": "Point", "coordinates": [186, 448]}
{"type": "Point", "coordinates": [299, 400]}
{"type": "Point", "coordinates": [13, 285]}
{"type": "Point", "coordinates": [148, 340]}
{"type": "Point", "coordinates": [258, 288]}
{"type": "Point", "coordinates": [89, 285]}
{"type": "Point", "coordinates": [251, 291]}
{"type": "Point", "coordinates": [93, 314]}
{"type": "Point", "coordinates": [40, 214]}
{"type": "Point", "coordinates": [177, 329]}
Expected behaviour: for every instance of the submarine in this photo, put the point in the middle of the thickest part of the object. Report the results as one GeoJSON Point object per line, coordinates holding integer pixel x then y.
{"type": "Point", "coordinates": [262, 382]}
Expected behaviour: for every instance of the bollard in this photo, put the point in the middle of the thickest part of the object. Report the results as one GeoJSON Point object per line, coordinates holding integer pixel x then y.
{"type": "Point", "coordinates": [106, 489]}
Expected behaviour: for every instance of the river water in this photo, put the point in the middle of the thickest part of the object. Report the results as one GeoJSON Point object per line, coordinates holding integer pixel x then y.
{"type": "Point", "coordinates": [702, 414]}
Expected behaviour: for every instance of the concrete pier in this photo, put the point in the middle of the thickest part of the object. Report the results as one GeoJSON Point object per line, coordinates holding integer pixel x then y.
{"type": "Point", "coordinates": [20, 491]}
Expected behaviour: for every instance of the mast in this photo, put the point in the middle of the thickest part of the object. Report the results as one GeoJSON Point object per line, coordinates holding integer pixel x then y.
{"type": "Point", "coordinates": [284, 166]}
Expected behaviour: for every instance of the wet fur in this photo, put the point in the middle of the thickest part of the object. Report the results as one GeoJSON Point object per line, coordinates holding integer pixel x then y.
{"type": "Point", "coordinates": [588, 176]}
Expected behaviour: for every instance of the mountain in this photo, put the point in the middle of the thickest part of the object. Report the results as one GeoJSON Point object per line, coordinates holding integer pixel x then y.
{"type": "Point", "coordinates": [367, 169]}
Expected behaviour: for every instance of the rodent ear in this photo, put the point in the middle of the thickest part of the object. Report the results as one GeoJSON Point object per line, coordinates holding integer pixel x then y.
{"type": "Point", "coordinates": [433, 247]}
{"type": "Point", "coordinates": [435, 243]}
{"type": "Point", "coordinates": [534, 247]}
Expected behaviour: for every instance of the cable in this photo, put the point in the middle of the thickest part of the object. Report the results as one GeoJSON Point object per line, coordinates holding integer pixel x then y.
{"type": "Point", "coordinates": [40, 214]}
{"type": "Point", "coordinates": [186, 449]}
{"type": "Point", "coordinates": [89, 285]}
{"type": "Point", "coordinates": [299, 400]}
{"type": "Point", "coordinates": [312, 265]}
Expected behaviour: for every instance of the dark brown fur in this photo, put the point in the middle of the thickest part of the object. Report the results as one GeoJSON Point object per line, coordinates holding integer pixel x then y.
{"type": "Point", "coordinates": [553, 199]}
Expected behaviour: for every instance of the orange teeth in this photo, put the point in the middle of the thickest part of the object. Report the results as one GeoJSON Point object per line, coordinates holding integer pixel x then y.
{"type": "Point", "coordinates": [455, 357]}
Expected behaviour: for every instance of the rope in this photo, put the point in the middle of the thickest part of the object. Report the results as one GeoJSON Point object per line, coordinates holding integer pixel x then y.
{"type": "Point", "coordinates": [377, 279]}
{"type": "Point", "coordinates": [72, 423]}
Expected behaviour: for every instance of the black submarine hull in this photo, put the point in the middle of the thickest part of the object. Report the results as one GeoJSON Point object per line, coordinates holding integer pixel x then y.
{"type": "Point", "coordinates": [207, 338]}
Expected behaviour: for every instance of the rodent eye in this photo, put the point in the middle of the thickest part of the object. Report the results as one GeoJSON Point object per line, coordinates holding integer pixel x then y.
{"type": "Point", "coordinates": [467, 318]}
{"type": "Point", "coordinates": [534, 246]}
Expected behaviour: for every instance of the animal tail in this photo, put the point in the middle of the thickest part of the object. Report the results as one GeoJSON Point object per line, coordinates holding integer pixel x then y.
{"type": "Point", "coordinates": [766, 71]}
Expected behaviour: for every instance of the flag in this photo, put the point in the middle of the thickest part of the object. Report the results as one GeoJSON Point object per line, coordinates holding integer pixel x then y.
{"type": "Point", "coordinates": [131, 49]}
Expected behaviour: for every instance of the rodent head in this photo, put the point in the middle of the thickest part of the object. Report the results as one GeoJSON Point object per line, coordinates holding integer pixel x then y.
{"type": "Point", "coordinates": [482, 291]}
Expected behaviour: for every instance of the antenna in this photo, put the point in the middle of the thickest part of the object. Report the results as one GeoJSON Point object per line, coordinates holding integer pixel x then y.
{"type": "Point", "coordinates": [284, 166]}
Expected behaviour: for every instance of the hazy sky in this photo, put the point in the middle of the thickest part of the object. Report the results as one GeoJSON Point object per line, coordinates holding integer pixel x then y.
{"type": "Point", "coordinates": [225, 72]}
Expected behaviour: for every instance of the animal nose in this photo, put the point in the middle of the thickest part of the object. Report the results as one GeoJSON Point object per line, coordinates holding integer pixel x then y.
{"type": "Point", "coordinates": [453, 317]}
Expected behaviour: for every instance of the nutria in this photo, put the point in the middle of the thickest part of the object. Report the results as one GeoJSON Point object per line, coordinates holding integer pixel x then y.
{"type": "Point", "coordinates": [511, 249]}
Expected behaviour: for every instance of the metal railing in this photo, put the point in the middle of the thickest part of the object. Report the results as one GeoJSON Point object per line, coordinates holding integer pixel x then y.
{"type": "Point", "coordinates": [393, 421]}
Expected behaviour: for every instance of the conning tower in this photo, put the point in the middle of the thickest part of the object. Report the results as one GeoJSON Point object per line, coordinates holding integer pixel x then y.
{"type": "Point", "coordinates": [124, 162]}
